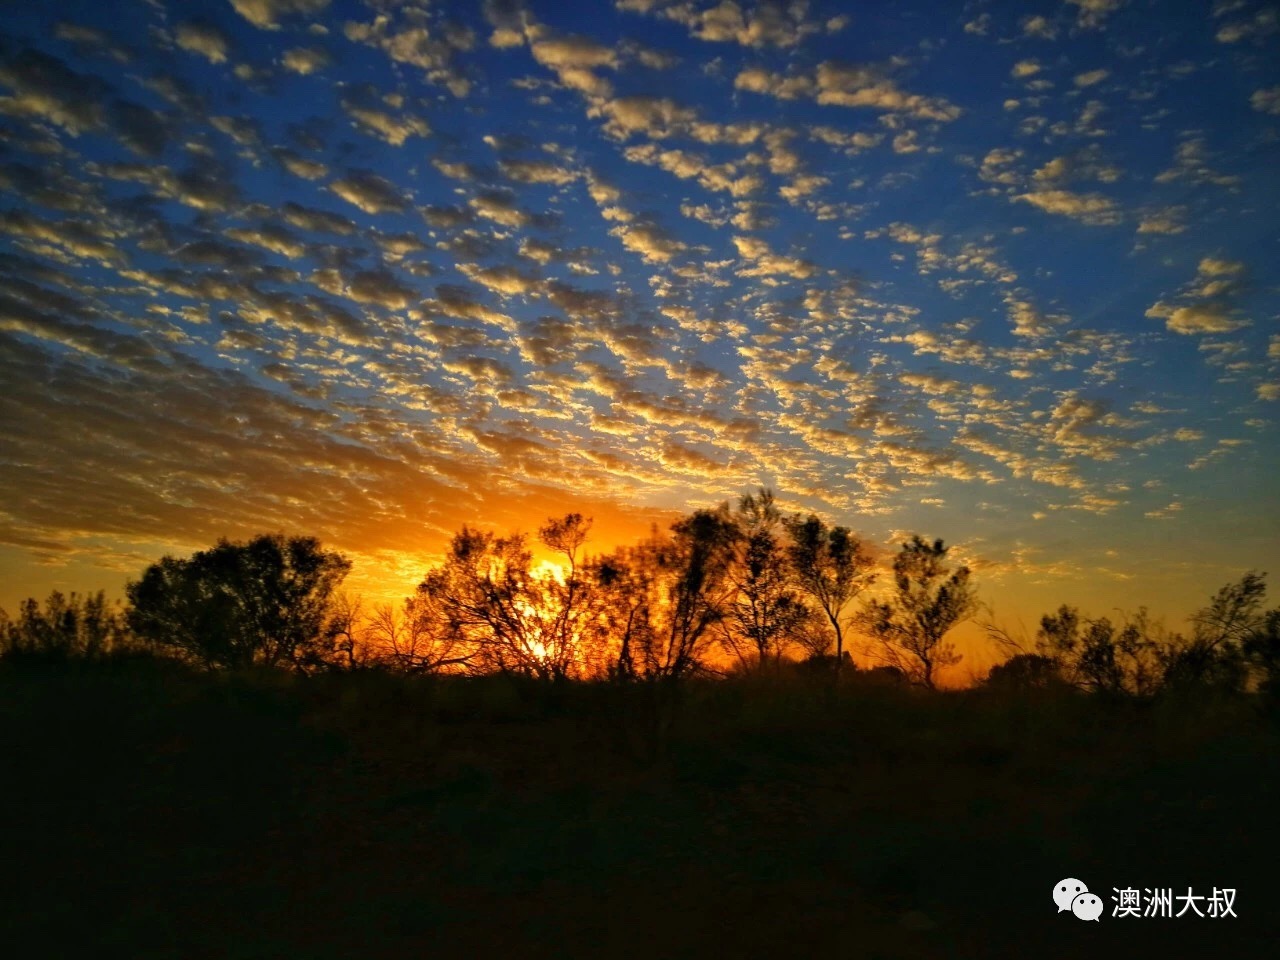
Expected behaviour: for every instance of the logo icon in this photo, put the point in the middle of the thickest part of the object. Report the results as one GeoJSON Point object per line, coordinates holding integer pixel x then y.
{"type": "Point", "coordinates": [1066, 891]}
{"type": "Point", "coordinates": [1087, 906]}
{"type": "Point", "coordinates": [1074, 896]}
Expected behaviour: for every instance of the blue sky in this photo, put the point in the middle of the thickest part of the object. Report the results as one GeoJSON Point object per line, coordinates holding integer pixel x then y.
{"type": "Point", "coordinates": [1001, 273]}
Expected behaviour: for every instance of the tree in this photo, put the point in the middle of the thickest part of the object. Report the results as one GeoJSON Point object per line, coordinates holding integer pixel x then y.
{"type": "Point", "coordinates": [927, 601]}
{"type": "Point", "coordinates": [1093, 654]}
{"type": "Point", "coordinates": [266, 601]}
{"type": "Point", "coordinates": [1262, 648]}
{"type": "Point", "coordinates": [66, 627]}
{"type": "Point", "coordinates": [567, 598]}
{"type": "Point", "coordinates": [832, 566]}
{"type": "Point", "coordinates": [344, 630]}
{"type": "Point", "coordinates": [485, 597]}
{"type": "Point", "coordinates": [695, 563]}
{"type": "Point", "coordinates": [625, 584]}
{"type": "Point", "coordinates": [1223, 634]}
{"type": "Point", "coordinates": [767, 612]}
{"type": "Point", "coordinates": [1025, 671]}
{"type": "Point", "coordinates": [662, 597]}
{"type": "Point", "coordinates": [412, 640]}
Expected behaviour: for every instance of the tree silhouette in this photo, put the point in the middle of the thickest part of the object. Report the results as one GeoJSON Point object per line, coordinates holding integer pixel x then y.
{"type": "Point", "coordinates": [568, 599]}
{"type": "Point", "coordinates": [662, 597]}
{"type": "Point", "coordinates": [1262, 647]}
{"type": "Point", "coordinates": [767, 611]}
{"type": "Point", "coordinates": [265, 601]}
{"type": "Point", "coordinates": [927, 601]}
{"type": "Point", "coordinates": [414, 640]}
{"type": "Point", "coordinates": [1223, 633]}
{"type": "Point", "coordinates": [831, 565]}
{"type": "Point", "coordinates": [485, 598]}
{"type": "Point", "coordinates": [1094, 655]}
{"type": "Point", "coordinates": [66, 627]}
{"type": "Point", "coordinates": [1025, 671]}
{"type": "Point", "coordinates": [344, 630]}
{"type": "Point", "coordinates": [695, 563]}
{"type": "Point", "coordinates": [626, 590]}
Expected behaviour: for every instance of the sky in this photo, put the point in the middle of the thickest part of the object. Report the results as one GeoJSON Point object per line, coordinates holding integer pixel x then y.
{"type": "Point", "coordinates": [1002, 273]}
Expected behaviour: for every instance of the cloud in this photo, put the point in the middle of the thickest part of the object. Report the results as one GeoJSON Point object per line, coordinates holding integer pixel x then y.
{"type": "Point", "coordinates": [272, 238]}
{"type": "Point", "coordinates": [318, 221]}
{"type": "Point", "coordinates": [44, 86]}
{"type": "Point", "coordinates": [267, 14]}
{"type": "Point", "coordinates": [714, 177]}
{"type": "Point", "coordinates": [1025, 68]}
{"type": "Point", "coordinates": [306, 60]}
{"type": "Point", "coordinates": [1167, 221]}
{"type": "Point", "coordinates": [1219, 267]}
{"type": "Point", "coordinates": [1205, 305]}
{"type": "Point", "coordinates": [932, 384]}
{"type": "Point", "coordinates": [83, 240]}
{"type": "Point", "coordinates": [1038, 26]}
{"type": "Point", "coordinates": [460, 302]}
{"type": "Point", "coordinates": [1266, 100]}
{"type": "Point", "coordinates": [767, 23]}
{"type": "Point", "coordinates": [447, 217]}
{"type": "Point", "coordinates": [846, 85]}
{"type": "Point", "coordinates": [762, 261]}
{"type": "Point", "coordinates": [500, 207]}
{"type": "Point", "coordinates": [655, 117]}
{"type": "Point", "coordinates": [1256, 29]}
{"type": "Point", "coordinates": [244, 131]}
{"type": "Point", "coordinates": [1092, 14]}
{"type": "Point", "coordinates": [573, 53]}
{"type": "Point", "coordinates": [90, 41]}
{"type": "Point", "coordinates": [653, 243]}
{"type": "Point", "coordinates": [204, 185]}
{"type": "Point", "coordinates": [1027, 320]}
{"type": "Point", "coordinates": [304, 167]}
{"type": "Point", "coordinates": [537, 171]}
{"type": "Point", "coordinates": [502, 279]}
{"type": "Point", "coordinates": [204, 39]}
{"type": "Point", "coordinates": [1092, 77]}
{"type": "Point", "coordinates": [384, 126]}
{"type": "Point", "coordinates": [1191, 163]}
{"type": "Point", "coordinates": [683, 459]}
{"type": "Point", "coordinates": [574, 60]}
{"type": "Point", "coordinates": [380, 287]}
{"type": "Point", "coordinates": [1091, 208]}
{"type": "Point", "coordinates": [858, 86]}
{"type": "Point", "coordinates": [409, 37]}
{"type": "Point", "coordinates": [763, 81]}
{"type": "Point", "coordinates": [368, 191]}
{"type": "Point", "coordinates": [1196, 318]}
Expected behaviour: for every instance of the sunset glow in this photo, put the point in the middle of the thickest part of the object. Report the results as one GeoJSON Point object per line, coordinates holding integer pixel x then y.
{"type": "Point", "coordinates": [1000, 273]}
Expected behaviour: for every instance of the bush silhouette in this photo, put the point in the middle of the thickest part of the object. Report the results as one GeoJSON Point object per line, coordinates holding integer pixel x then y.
{"type": "Point", "coordinates": [239, 604]}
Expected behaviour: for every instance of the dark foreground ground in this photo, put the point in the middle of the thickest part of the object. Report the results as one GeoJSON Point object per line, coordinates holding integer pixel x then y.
{"type": "Point", "coordinates": [149, 813]}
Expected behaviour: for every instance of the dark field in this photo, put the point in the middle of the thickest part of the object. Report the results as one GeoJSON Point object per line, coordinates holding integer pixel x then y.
{"type": "Point", "coordinates": [150, 812]}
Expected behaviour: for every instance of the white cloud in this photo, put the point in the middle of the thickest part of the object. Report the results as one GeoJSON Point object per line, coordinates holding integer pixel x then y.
{"type": "Point", "coordinates": [1266, 100]}
{"type": "Point", "coordinates": [267, 14]}
{"type": "Point", "coordinates": [1090, 208]}
{"type": "Point", "coordinates": [305, 60]}
{"type": "Point", "coordinates": [204, 39]}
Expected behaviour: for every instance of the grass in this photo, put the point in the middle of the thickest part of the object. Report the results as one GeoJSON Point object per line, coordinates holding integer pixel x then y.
{"type": "Point", "coordinates": [157, 813]}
